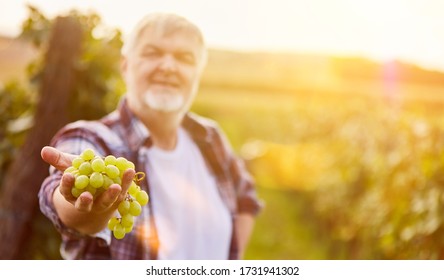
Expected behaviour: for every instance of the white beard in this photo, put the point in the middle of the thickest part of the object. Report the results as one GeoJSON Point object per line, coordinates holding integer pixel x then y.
{"type": "Point", "coordinates": [163, 101]}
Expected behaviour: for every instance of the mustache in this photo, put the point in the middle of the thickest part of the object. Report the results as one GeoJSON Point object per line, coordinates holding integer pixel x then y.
{"type": "Point", "coordinates": [171, 79]}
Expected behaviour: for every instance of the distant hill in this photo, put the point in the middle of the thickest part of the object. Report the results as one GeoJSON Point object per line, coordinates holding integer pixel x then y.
{"type": "Point", "coordinates": [292, 71]}
{"type": "Point", "coordinates": [263, 70]}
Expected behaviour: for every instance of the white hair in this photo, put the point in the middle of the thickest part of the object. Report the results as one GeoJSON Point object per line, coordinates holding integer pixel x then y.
{"type": "Point", "coordinates": [165, 24]}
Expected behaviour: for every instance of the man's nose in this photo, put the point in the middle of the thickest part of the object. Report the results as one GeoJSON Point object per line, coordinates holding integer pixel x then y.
{"type": "Point", "coordinates": [168, 63]}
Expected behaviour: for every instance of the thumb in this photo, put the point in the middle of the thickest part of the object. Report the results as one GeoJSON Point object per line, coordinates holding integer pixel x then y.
{"type": "Point", "coordinates": [56, 158]}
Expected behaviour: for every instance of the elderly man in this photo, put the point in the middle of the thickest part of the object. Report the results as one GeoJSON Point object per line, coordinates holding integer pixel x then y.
{"type": "Point", "coordinates": [202, 200]}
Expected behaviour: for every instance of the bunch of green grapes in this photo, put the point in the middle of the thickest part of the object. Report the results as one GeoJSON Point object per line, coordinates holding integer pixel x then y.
{"type": "Point", "coordinates": [95, 174]}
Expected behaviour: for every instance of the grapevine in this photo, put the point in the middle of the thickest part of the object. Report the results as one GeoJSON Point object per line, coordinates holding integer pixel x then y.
{"type": "Point", "coordinates": [95, 174]}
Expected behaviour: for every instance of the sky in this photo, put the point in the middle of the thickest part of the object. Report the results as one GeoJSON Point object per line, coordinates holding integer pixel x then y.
{"type": "Point", "coordinates": [408, 30]}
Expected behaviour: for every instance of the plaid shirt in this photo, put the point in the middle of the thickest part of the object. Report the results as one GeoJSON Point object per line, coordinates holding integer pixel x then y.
{"type": "Point", "coordinates": [122, 134]}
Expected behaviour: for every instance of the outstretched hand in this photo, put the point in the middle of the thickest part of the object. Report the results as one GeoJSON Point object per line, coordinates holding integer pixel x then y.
{"type": "Point", "coordinates": [107, 201]}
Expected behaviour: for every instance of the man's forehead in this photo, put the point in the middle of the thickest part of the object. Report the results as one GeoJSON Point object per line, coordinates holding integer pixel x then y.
{"type": "Point", "coordinates": [182, 40]}
{"type": "Point", "coordinates": [170, 33]}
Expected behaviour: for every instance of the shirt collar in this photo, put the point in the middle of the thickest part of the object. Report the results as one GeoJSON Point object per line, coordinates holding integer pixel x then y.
{"type": "Point", "coordinates": [198, 127]}
{"type": "Point", "coordinates": [135, 131]}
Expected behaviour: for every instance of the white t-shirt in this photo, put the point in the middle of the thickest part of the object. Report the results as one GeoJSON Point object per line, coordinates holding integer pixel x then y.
{"type": "Point", "coordinates": [191, 219]}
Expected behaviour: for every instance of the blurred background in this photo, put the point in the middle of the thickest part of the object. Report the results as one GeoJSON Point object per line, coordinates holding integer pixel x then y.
{"type": "Point", "coordinates": [336, 107]}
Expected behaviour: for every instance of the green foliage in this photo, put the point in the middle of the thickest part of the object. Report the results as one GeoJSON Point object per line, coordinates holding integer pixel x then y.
{"type": "Point", "coordinates": [343, 176]}
{"type": "Point", "coordinates": [98, 69]}
{"type": "Point", "coordinates": [98, 81]}
{"type": "Point", "coordinates": [16, 106]}
{"type": "Point", "coordinates": [383, 196]}
{"type": "Point", "coordinates": [36, 27]}
{"type": "Point", "coordinates": [97, 90]}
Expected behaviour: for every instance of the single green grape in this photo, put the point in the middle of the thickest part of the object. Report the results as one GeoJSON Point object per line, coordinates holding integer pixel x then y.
{"type": "Point", "coordinates": [112, 171]}
{"type": "Point", "coordinates": [127, 220]}
{"type": "Point", "coordinates": [135, 209]}
{"type": "Point", "coordinates": [98, 165]}
{"type": "Point", "coordinates": [77, 162]}
{"type": "Point", "coordinates": [142, 197]}
{"type": "Point", "coordinates": [112, 223]}
{"type": "Point", "coordinates": [128, 229]}
{"type": "Point", "coordinates": [85, 168]}
{"type": "Point", "coordinates": [81, 182]}
{"type": "Point", "coordinates": [76, 192]}
{"type": "Point", "coordinates": [133, 189]}
{"type": "Point", "coordinates": [124, 207]}
{"type": "Point", "coordinates": [96, 180]}
{"type": "Point", "coordinates": [121, 163]}
{"type": "Point", "coordinates": [119, 231]}
{"type": "Point", "coordinates": [110, 160]}
{"type": "Point", "coordinates": [87, 154]}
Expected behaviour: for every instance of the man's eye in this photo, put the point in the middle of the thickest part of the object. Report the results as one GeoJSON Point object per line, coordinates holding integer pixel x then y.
{"type": "Point", "coordinates": [188, 59]}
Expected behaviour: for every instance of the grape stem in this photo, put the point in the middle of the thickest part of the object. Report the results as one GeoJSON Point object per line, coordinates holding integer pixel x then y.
{"type": "Point", "coordinates": [139, 176]}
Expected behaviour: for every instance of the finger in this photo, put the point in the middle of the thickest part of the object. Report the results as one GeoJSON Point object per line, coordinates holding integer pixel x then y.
{"type": "Point", "coordinates": [58, 159]}
{"type": "Point", "coordinates": [127, 178]}
{"type": "Point", "coordinates": [84, 202]}
{"type": "Point", "coordinates": [116, 193]}
{"type": "Point", "coordinates": [108, 198]}
{"type": "Point", "coordinates": [66, 184]}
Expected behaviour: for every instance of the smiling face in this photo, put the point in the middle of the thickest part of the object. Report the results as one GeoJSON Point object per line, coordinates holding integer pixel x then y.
{"type": "Point", "coordinates": [162, 69]}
